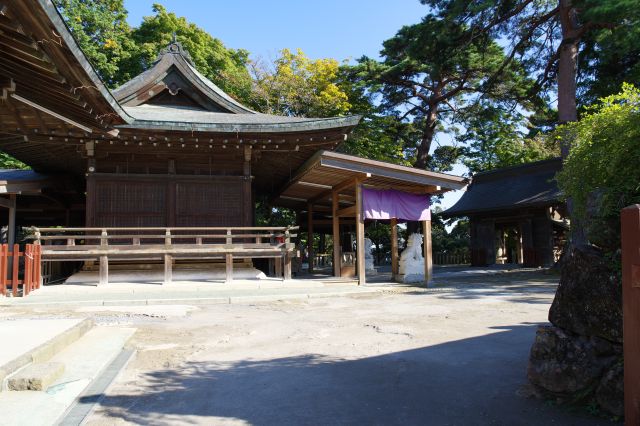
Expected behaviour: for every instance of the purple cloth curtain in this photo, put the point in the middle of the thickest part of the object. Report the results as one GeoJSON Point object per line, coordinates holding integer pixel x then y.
{"type": "Point", "coordinates": [390, 203]}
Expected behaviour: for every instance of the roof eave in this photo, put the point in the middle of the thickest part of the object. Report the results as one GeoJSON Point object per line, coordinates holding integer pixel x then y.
{"type": "Point", "coordinates": [449, 182]}
{"type": "Point", "coordinates": [54, 16]}
{"type": "Point", "coordinates": [460, 213]}
{"type": "Point", "coordinates": [292, 127]}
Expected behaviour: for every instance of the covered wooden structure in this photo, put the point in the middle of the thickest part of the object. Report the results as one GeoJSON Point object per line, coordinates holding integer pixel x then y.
{"type": "Point", "coordinates": [332, 182]}
{"type": "Point", "coordinates": [516, 215]}
{"type": "Point", "coordinates": [168, 149]}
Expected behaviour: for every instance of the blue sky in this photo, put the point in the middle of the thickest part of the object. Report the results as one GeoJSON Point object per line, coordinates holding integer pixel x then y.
{"type": "Point", "coordinates": [328, 28]}
{"type": "Point", "coordinates": [340, 29]}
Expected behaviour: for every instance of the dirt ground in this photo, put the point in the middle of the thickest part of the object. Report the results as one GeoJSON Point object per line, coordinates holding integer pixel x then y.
{"type": "Point", "coordinates": [451, 355]}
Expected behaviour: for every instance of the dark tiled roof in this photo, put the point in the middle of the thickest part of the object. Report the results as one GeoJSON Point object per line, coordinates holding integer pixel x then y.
{"type": "Point", "coordinates": [528, 185]}
{"type": "Point", "coordinates": [176, 118]}
{"type": "Point", "coordinates": [16, 175]}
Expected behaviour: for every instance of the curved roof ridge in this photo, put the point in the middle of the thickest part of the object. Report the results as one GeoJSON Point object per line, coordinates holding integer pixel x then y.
{"type": "Point", "coordinates": [175, 55]}
{"type": "Point", "coordinates": [211, 85]}
{"type": "Point", "coordinates": [526, 166]}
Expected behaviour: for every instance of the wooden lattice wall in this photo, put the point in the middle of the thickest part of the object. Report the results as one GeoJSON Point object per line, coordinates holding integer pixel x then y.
{"type": "Point", "coordinates": [168, 200]}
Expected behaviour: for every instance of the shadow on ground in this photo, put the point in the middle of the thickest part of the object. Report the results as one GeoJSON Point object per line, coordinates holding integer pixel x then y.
{"type": "Point", "coordinates": [473, 381]}
{"type": "Point", "coordinates": [535, 287]}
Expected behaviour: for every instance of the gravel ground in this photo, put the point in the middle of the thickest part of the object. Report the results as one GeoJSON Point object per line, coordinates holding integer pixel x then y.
{"type": "Point", "coordinates": [451, 355]}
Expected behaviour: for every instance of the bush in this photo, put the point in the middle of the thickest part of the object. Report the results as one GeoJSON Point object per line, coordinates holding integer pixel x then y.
{"type": "Point", "coordinates": [602, 174]}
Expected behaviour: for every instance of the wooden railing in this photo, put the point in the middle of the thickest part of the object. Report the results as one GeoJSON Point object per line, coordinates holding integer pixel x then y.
{"type": "Point", "coordinates": [10, 266]}
{"type": "Point", "coordinates": [167, 244]}
{"type": "Point", "coordinates": [451, 259]}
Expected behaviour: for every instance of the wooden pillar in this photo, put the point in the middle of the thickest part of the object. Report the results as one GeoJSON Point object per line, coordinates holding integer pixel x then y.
{"type": "Point", "coordinates": [336, 235]}
{"type": "Point", "coordinates": [11, 231]}
{"type": "Point", "coordinates": [394, 248]}
{"type": "Point", "coordinates": [528, 248]}
{"type": "Point", "coordinates": [278, 267]}
{"type": "Point", "coordinates": [11, 228]}
{"type": "Point", "coordinates": [287, 266]}
{"type": "Point", "coordinates": [104, 270]}
{"type": "Point", "coordinates": [360, 266]}
{"type": "Point", "coordinates": [247, 194]}
{"type": "Point", "coordinates": [228, 278]}
{"type": "Point", "coordinates": [630, 218]}
{"type": "Point", "coordinates": [15, 260]}
{"type": "Point", "coordinates": [90, 217]}
{"type": "Point", "coordinates": [310, 236]}
{"type": "Point", "coordinates": [168, 269]}
{"type": "Point", "coordinates": [428, 255]}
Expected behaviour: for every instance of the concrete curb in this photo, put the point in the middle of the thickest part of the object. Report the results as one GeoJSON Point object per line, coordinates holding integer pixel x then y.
{"type": "Point", "coordinates": [94, 393]}
{"type": "Point", "coordinates": [203, 300]}
{"type": "Point", "coordinates": [45, 351]}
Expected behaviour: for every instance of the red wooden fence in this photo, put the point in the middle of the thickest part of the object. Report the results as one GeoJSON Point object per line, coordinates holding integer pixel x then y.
{"type": "Point", "coordinates": [10, 269]}
{"type": "Point", "coordinates": [630, 218]}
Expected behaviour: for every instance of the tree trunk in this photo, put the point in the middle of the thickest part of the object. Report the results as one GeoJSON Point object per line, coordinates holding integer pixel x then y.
{"type": "Point", "coordinates": [567, 68]}
{"type": "Point", "coordinates": [429, 131]}
{"type": "Point", "coordinates": [567, 109]}
{"type": "Point", "coordinates": [422, 156]}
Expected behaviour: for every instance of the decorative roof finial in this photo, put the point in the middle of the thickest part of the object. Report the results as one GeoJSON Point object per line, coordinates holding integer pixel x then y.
{"type": "Point", "coordinates": [175, 48]}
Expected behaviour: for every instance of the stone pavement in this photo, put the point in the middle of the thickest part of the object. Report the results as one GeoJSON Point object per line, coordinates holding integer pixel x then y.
{"type": "Point", "coordinates": [206, 292]}
{"type": "Point", "coordinates": [183, 293]}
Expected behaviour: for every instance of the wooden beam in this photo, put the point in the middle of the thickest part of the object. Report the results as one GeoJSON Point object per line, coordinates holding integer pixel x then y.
{"type": "Point", "coordinates": [347, 221]}
{"type": "Point", "coordinates": [360, 266]}
{"type": "Point", "coordinates": [51, 113]}
{"type": "Point", "coordinates": [428, 255]}
{"type": "Point", "coordinates": [8, 86]}
{"type": "Point", "coordinates": [310, 236]}
{"type": "Point", "coordinates": [336, 235]}
{"type": "Point", "coordinates": [348, 211]}
{"type": "Point", "coordinates": [8, 188]}
{"type": "Point", "coordinates": [340, 187]}
{"type": "Point", "coordinates": [7, 202]}
{"type": "Point", "coordinates": [394, 248]}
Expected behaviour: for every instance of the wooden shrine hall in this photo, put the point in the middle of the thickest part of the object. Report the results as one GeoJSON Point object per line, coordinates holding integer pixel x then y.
{"type": "Point", "coordinates": [168, 167]}
{"type": "Point", "coordinates": [517, 215]}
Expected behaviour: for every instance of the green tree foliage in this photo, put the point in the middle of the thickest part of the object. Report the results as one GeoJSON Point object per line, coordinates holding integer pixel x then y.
{"type": "Point", "coordinates": [428, 76]}
{"type": "Point", "coordinates": [601, 174]}
{"type": "Point", "coordinates": [119, 52]}
{"type": "Point", "coordinates": [495, 137]}
{"type": "Point", "coordinates": [101, 29]}
{"type": "Point", "coordinates": [610, 56]}
{"type": "Point", "coordinates": [379, 136]}
{"type": "Point", "coordinates": [8, 162]}
{"type": "Point", "coordinates": [266, 215]}
{"type": "Point", "coordinates": [454, 242]}
{"type": "Point", "coordinates": [547, 35]}
{"type": "Point", "coordinates": [298, 86]}
{"type": "Point", "coordinates": [227, 68]}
